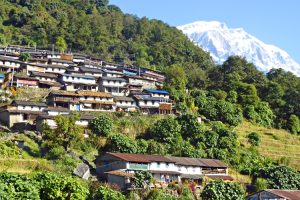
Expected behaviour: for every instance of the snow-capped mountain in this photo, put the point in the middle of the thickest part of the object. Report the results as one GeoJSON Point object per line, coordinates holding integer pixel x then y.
{"type": "Point", "coordinates": [221, 41]}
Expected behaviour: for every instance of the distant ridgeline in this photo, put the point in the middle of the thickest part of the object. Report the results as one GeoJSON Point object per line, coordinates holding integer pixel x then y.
{"type": "Point", "coordinates": [94, 27]}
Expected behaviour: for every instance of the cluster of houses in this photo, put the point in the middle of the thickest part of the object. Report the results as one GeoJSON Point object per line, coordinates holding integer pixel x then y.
{"type": "Point", "coordinates": [77, 83]}
{"type": "Point", "coordinates": [119, 168]}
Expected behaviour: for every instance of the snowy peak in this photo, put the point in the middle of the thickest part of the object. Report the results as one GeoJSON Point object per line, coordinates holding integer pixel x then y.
{"type": "Point", "coordinates": [222, 42]}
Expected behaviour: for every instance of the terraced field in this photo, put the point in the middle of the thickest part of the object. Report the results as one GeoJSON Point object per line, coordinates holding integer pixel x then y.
{"type": "Point", "coordinates": [276, 144]}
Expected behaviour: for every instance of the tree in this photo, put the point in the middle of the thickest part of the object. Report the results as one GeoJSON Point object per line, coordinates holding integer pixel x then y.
{"type": "Point", "coordinates": [101, 125]}
{"type": "Point", "coordinates": [141, 179]}
{"type": "Point", "coordinates": [220, 190]}
{"type": "Point", "coordinates": [61, 44]}
{"type": "Point", "coordinates": [121, 143]}
{"type": "Point", "coordinates": [166, 131]}
{"type": "Point", "coordinates": [281, 177]}
{"type": "Point", "coordinates": [294, 124]}
{"type": "Point", "coordinates": [189, 125]}
{"type": "Point", "coordinates": [64, 134]}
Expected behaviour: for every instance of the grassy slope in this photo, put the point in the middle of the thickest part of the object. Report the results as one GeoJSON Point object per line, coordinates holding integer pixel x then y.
{"type": "Point", "coordinates": [275, 143]}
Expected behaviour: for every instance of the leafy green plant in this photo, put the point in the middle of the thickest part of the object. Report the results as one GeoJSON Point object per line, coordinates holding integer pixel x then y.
{"type": "Point", "coordinates": [106, 193]}
{"type": "Point", "coordinates": [221, 190]}
{"type": "Point", "coordinates": [254, 139]}
{"type": "Point", "coordinates": [101, 125]}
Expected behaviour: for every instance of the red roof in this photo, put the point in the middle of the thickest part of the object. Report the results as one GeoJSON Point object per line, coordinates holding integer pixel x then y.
{"type": "Point", "coordinates": [141, 158]}
{"type": "Point", "coordinates": [288, 194]}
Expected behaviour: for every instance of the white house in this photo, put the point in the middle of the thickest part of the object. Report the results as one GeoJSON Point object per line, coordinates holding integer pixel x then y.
{"type": "Point", "coordinates": [118, 168]}
{"type": "Point", "coordinates": [55, 61]}
{"type": "Point", "coordinates": [21, 115]}
{"type": "Point", "coordinates": [115, 86]}
{"type": "Point", "coordinates": [73, 82]}
{"type": "Point", "coordinates": [126, 104]}
{"type": "Point", "coordinates": [153, 105]}
{"type": "Point", "coordinates": [9, 64]}
{"type": "Point", "coordinates": [158, 93]}
{"type": "Point", "coordinates": [82, 100]}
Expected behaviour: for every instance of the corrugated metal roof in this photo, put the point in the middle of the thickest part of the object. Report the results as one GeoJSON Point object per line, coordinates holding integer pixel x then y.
{"type": "Point", "coordinates": [28, 103]}
{"type": "Point", "coordinates": [288, 194]}
{"type": "Point", "coordinates": [157, 91]}
{"type": "Point", "coordinates": [185, 161]}
{"type": "Point", "coordinates": [80, 93]}
{"type": "Point", "coordinates": [141, 158]}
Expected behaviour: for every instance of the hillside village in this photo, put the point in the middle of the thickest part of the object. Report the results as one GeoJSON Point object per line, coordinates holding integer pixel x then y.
{"type": "Point", "coordinates": [76, 83]}
{"type": "Point", "coordinates": [86, 84]}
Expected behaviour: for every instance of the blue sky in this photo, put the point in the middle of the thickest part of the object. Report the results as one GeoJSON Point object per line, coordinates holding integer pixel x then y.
{"type": "Point", "coordinates": [272, 21]}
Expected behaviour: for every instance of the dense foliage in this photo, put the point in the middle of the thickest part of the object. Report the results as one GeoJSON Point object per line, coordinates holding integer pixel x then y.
{"type": "Point", "coordinates": [99, 29]}
{"type": "Point", "coordinates": [66, 132]}
{"type": "Point", "coordinates": [217, 190]}
{"type": "Point", "coordinates": [41, 186]}
{"type": "Point", "coordinates": [281, 177]}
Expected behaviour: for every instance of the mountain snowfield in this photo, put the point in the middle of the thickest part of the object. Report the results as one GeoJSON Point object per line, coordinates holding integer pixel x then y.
{"type": "Point", "coordinates": [215, 37]}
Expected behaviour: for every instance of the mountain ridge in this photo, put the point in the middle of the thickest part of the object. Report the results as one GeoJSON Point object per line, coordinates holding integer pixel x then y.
{"type": "Point", "coordinates": [221, 42]}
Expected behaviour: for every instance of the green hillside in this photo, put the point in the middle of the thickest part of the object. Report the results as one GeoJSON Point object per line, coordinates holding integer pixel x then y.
{"type": "Point", "coordinates": [277, 144]}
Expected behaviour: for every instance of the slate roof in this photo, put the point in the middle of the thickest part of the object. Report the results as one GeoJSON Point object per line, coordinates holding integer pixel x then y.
{"type": "Point", "coordinates": [48, 75]}
{"type": "Point", "coordinates": [80, 93]}
{"type": "Point", "coordinates": [120, 98]}
{"type": "Point", "coordinates": [91, 70]}
{"type": "Point", "coordinates": [28, 103]}
{"type": "Point", "coordinates": [4, 58]}
{"type": "Point", "coordinates": [113, 79]}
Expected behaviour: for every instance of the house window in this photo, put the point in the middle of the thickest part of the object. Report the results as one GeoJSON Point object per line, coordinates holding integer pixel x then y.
{"type": "Point", "coordinates": [153, 102]}
{"type": "Point", "coordinates": [25, 117]}
{"type": "Point", "coordinates": [158, 165]}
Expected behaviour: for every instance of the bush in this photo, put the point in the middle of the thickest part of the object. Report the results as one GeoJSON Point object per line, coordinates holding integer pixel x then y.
{"type": "Point", "coordinates": [260, 184]}
{"type": "Point", "coordinates": [221, 190]}
{"type": "Point", "coordinates": [101, 125]}
{"type": "Point", "coordinates": [281, 177]}
{"type": "Point", "coordinates": [55, 153]}
{"type": "Point", "coordinates": [16, 186]}
{"type": "Point", "coordinates": [254, 139]}
{"type": "Point", "coordinates": [60, 187]}
{"type": "Point", "coordinates": [106, 193]}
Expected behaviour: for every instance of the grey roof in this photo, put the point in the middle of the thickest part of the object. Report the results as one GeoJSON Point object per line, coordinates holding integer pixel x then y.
{"type": "Point", "coordinates": [47, 65]}
{"type": "Point", "coordinates": [117, 98]}
{"type": "Point", "coordinates": [111, 72]}
{"type": "Point", "coordinates": [79, 76]}
{"type": "Point", "coordinates": [10, 59]}
{"type": "Point", "coordinates": [113, 79]}
{"type": "Point", "coordinates": [214, 163]}
{"type": "Point", "coordinates": [150, 98]}
{"type": "Point", "coordinates": [28, 103]}
{"type": "Point", "coordinates": [49, 75]}
{"type": "Point", "coordinates": [60, 60]}
{"type": "Point", "coordinates": [92, 70]}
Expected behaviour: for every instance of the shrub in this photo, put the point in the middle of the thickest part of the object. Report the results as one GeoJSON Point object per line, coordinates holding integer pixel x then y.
{"type": "Point", "coordinates": [254, 139]}
{"type": "Point", "coordinates": [221, 190]}
{"type": "Point", "coordinates": [101, 125]}
{"type": "Point", "coordinates": [260, 184]}
{"type": "Point", "coordinates": [106, 193]}
{"type": "Point", "coordinates": [281, 177]}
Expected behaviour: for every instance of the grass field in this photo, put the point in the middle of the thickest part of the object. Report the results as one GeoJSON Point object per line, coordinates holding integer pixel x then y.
{"type": "Point", "coordinates": [276, 144]}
